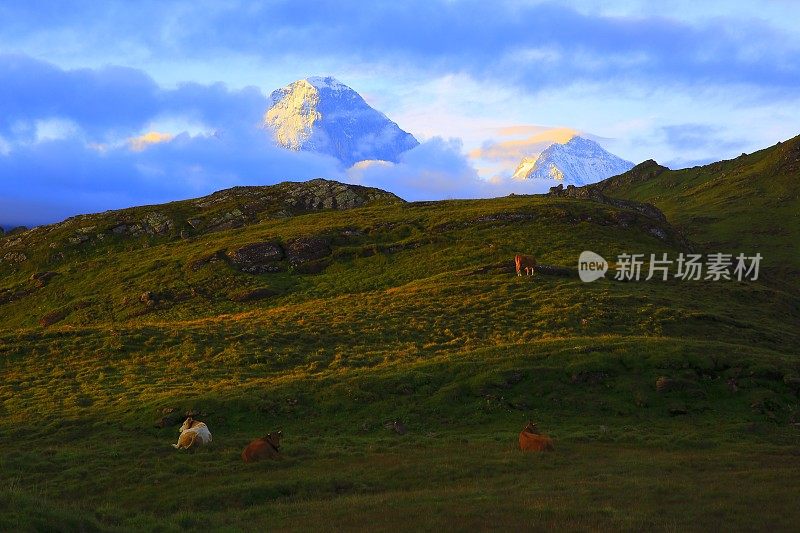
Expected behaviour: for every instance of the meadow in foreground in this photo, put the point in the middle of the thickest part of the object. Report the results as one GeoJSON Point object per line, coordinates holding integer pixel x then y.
{"type": "Point", "coordinates": [414, 315]}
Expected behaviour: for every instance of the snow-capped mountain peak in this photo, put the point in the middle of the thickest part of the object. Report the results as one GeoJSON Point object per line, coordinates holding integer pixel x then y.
{"type": "Point", "coordinates": [578, 162]}
{"type": "Point", "coordinates": [321, 114]}
{"type": "Point", "coordinates": [327, 82]}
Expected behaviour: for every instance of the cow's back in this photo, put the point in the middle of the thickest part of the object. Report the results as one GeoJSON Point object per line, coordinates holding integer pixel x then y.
{"type": "Point", "coordinates": [203, 433]}
{"type": "Point", "coordinates": [257, 450]}
{"type": "Point", "coordinates": [531, 442]}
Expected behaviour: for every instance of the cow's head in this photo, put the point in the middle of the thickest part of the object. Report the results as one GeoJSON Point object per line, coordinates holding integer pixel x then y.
{"type": "Point", "coordinates": [274, 438]}
{"type": "Point", "coordinates": [186, 424]}
{"type": "Point", "coordinates": [530, 427]}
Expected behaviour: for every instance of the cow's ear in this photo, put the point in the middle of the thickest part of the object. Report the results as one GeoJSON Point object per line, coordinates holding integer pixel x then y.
{"type": "Point", "coordinates": [280, 433]}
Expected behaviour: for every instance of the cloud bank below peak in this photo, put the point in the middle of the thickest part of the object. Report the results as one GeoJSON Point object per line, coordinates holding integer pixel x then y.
{"type": "Point", "coordinates": [63, 157]}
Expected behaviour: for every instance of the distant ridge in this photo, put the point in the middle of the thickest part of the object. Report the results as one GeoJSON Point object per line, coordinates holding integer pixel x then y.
{"type": "Point", "coordinates": [226, 209]}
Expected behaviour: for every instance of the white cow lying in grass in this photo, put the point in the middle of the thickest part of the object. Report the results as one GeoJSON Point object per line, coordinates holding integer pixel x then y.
{"type": "Point", "coordinates": [193, 435]}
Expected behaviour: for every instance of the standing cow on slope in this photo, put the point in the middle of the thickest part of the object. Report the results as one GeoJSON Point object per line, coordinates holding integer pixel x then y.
{"type": "Point", "coordinates": [526, 263]}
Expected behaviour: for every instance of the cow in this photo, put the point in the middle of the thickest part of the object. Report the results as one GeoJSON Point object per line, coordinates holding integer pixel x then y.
{"type": "Point", "coordinates": [526, 263]}
{"type": "Point", "coordinates": [193, 435]}
{"type": "Point", "coordinates": [267, 447]}
{"type": "Point", "coordinates": [531, 440]}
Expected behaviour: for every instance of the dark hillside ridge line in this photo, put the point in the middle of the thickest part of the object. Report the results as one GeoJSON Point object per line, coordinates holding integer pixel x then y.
{"type": "Point", "coordinates": [588, 192]}
{"type": "Point", "coordinates": [222, 210]}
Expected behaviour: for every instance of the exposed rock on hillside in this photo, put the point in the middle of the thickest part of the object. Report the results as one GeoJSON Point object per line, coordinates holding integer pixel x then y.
{"type": "Point", "coordinates": [323, 194]}
{"type": "Point", "coordinates": [593, 193]}
{"type": "Point", "coordinates": [40, 279]}
{"type": "Point", "coordinates": [304, 249]}
{"type": "Point", "coordinates": [258, 257]}
{"type": "Point", "coordinates": [226, 209]}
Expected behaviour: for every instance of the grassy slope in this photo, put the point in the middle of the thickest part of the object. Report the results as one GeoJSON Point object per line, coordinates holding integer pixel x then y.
{"type": "Point", "coordinates": [436, 333]}
{"type": "Point", "coordinates": [748, 204]}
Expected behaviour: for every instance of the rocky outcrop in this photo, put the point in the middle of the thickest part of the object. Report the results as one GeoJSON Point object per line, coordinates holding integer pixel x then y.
{"type": "Point", "coordinates": [222, 210]}
{"type": "Point", "coordinates": [305, 249]}
{"type": "Point", "coordinates": [154, 223]}
{"type": "Point", "coordinates": [40, 279]}
{"type": "Point", "coordinates": [593, 193]}
{"type": "Point", "coordinates": [53, 317]}
{"type": "Point", "coordinates": [654, 223]}
{"type": "Point", "coordinates": [325, 194]}
{"type": "Point", "coordinates": [258, 257]}
{"type": "Point", "coordinates": [15, 257]}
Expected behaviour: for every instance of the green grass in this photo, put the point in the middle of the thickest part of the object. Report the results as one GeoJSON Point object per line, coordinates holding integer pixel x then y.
{"type": "Point", "coordinates": [749, 204]}
{"type": "Point", "coordinates": [415, 316]}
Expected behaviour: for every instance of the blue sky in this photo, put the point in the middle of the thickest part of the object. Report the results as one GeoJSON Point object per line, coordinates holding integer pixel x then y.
{"type": "Point", "coordinates": [110, 104]}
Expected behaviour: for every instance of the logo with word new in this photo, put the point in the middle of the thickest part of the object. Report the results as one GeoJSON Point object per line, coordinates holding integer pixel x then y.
{"type": "Point", "coordinates": [591, 266]}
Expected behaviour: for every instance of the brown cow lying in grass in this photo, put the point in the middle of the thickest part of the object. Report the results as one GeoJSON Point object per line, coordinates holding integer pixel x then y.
{"type": "Point", "coordinates": [531, 440]}
{"type": "Point", "coordinates": [267, 447]}
{"type": "Point", "coordinates": [193, 435]}
{"type": "Point", "coordinates": [526, 263]}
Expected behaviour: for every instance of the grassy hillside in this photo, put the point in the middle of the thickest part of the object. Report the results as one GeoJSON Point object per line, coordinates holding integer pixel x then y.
{"type": "Point", "coordinates": [333, 323]}
{"type": "Point", "coordinates": [748, 204]}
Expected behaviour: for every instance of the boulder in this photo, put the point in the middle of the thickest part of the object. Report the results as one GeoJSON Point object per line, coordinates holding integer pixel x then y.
{"type": "Point", "coordinates": [53, 317]}
{"type": "Point", "coordinates": [15, 257]}
{"type": "Point", "coordinates": [305, 249]}
{"type": "Point", "coordinates": [121, 229]}
{"type": "Point", "coordinates": [258, 257]}
{"type": "Point", "coordinates": [79, 238]}
{"type": "Point", "coordinates": [156, 223]}
{"type": "Point", "coordinates": [229, 220]}
{"type": "Point", "coordinates": [40, 279]}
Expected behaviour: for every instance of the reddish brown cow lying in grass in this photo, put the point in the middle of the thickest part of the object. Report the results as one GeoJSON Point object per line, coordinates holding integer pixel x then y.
{"type": "Point", "coordinates": [267, 447]}
{"type": "Point", "coordinates": [530, 440]}
{"type": "Point", "coordinates": [526, 263]}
